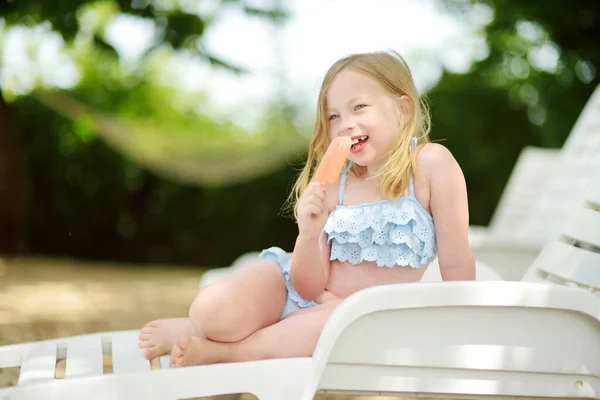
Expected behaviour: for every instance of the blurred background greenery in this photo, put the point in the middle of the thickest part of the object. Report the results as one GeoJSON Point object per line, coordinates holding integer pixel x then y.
{"type": "Point", "coordinates": [134, 131]}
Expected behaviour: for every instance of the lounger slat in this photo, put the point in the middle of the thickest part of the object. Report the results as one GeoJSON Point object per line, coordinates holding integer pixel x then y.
{"type": "Point", "coordinates": [570, 263]}
{"type": "Point", "coordinates": [11, 355]}
{"type": "Point", "coordinates": [84, 356]}
{"type": "Point", "coordinates": [594, 195]}
{"type": "Point", "coordinates": [39, 363]}
{"type": "Point", "coordinates": [584, 226]}
{"type": "Point", "coordinates": [126, 356]}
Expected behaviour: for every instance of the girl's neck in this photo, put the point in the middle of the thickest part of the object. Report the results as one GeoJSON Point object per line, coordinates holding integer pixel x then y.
{"type": "Point", "coordinates": [370, 172]}
{"type": "Point", "coordinates": [366, 174]}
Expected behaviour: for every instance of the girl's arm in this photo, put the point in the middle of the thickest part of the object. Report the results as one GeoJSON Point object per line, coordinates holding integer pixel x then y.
{"type": "Point", "coordinates": [310, 266]}
{"type": "Point", "coordinates": [450, 210]}
{"type": "Point", "coordinates": [310, 260]}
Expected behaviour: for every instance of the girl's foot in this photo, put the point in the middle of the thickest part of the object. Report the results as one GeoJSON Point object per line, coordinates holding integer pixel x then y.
{"type": "Point", "coordinates": [157, 337]}
{"type": "Point", "coordinates": [196, 350]}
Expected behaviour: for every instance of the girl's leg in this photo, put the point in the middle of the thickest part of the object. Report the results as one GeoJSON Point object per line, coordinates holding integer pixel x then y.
{"type": "Point", "coordinates": [248, 299]}
{"type": "Point", "coordinates": [295, 336]}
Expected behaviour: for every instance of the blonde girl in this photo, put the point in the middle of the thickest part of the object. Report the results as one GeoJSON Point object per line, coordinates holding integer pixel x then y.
{"type": "Point", "coordinates": [399, 203]}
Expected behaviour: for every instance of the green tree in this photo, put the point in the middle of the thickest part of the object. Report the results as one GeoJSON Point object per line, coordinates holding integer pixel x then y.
{"type": "Point", "coordinates": [125, 108]}
{"type": "Point", "coordinates": [88, 200]}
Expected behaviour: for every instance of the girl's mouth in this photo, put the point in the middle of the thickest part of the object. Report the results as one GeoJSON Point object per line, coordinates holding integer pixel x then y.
{"type": "Point", "coordinates": [358, 143]}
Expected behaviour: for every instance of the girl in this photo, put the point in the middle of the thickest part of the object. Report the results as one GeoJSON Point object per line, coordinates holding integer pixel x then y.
{"type": "Point", "coordinates": [398, 203]}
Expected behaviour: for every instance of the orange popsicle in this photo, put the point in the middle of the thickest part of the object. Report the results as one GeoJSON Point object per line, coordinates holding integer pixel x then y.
{"type": "Point", "coordinates": [333, 160]}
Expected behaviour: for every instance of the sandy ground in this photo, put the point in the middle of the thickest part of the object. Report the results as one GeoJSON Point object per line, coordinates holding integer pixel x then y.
{"type": "Point", "coordinates": [45, 299]}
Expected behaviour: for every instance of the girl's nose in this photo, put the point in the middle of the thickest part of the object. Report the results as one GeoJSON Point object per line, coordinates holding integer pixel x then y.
{"type": "Point", "coordinates": [347, 126]}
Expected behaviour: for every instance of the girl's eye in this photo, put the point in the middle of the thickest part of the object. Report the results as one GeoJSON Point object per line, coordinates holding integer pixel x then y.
{"type": "Point", "coordinates": [332, 117]}
{"type": "Point", "coordinates": [358, 107]}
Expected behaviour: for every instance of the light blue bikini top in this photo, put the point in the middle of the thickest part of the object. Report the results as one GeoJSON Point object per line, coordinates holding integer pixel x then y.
{"type": "Point", "coordinates": [389, 232]}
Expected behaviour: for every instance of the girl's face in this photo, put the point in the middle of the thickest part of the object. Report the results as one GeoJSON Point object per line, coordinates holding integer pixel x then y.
{"type": "Point", "coordinates": [358, 107]}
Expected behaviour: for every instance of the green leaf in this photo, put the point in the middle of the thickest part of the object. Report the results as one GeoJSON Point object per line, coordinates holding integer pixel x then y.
{"type": "Point", "coordinates": [224, 64]}
{"type": "Point", "coordinates": [274, 15]}
{"type": "Point", "coordinates": [101, 44]}
{"type": "Point", "coordinates": [183, 27]}
{"type": "Point", "coordinates": [84, 127]}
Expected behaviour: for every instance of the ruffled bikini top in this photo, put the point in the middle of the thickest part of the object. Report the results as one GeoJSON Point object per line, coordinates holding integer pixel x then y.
{"type": "Point", "coordinates": [388, 232]}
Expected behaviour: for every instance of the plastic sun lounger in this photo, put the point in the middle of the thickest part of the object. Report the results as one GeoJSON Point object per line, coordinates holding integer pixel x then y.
{"type": "Point", "coordinates": [471, 340]}
{"type": "Point", "coordinates": [464, 339]}
{"type": "Point", "coordinates": [523, 189]}
{"type": "Point", "coordinates": [543, 190]}
{"type": "Point", "coordinates": [501, 245]}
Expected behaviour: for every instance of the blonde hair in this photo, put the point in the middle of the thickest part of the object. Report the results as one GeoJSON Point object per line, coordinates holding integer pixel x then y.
{"type": "Point", "coordinates": [393, 74]}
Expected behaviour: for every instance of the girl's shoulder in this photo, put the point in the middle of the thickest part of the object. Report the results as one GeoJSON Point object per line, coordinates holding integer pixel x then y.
{"type": "Point", "coordinates": [441, 172]}
{"type": "Point", "coordinates": [434, 158]}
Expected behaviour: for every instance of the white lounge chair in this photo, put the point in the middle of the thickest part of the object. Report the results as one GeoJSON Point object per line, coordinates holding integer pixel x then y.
{"type": "Point", "coordinates": [543, 190]}
{"type": "Point", "coordinates": [468, 340]}
{"type": "Point", "coordinates": [572, 258]}
{"type": "Point", "coordinates": [523, 189]}
{"type": "Point", "coordinates": [464, 339]}
{"type": "Point", "coordinates": [500, 244]}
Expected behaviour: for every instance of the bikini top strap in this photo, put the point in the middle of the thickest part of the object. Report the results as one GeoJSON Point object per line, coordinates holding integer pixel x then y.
{"type": "Point", "coordinates": [411, 186]}
{"type": "Point", "coordinates": [343, 182]}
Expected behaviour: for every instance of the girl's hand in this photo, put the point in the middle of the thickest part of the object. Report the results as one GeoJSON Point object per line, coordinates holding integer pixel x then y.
{"type": "Point", "coordinates": [312, 211]}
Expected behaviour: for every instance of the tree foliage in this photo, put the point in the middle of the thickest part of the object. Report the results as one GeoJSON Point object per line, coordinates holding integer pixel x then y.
{"type": "Point", "coordinates": [116, 171]}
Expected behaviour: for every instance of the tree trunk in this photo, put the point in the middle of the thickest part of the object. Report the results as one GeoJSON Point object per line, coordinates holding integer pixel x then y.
{"type": "Point", "coordinates": [13, 185]}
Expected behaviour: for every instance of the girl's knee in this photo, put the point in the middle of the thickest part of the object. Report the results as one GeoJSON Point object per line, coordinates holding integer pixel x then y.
{"type": "Point", "coordinates": [238, 304]}
{"type": "Point", "coordinates": [218, 314]}
{"type": "Point", "coordinates": [211, 302]}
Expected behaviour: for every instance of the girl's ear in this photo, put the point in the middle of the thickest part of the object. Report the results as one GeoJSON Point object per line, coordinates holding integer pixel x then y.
{"type": "Point", "coordinates": [405, 107]}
